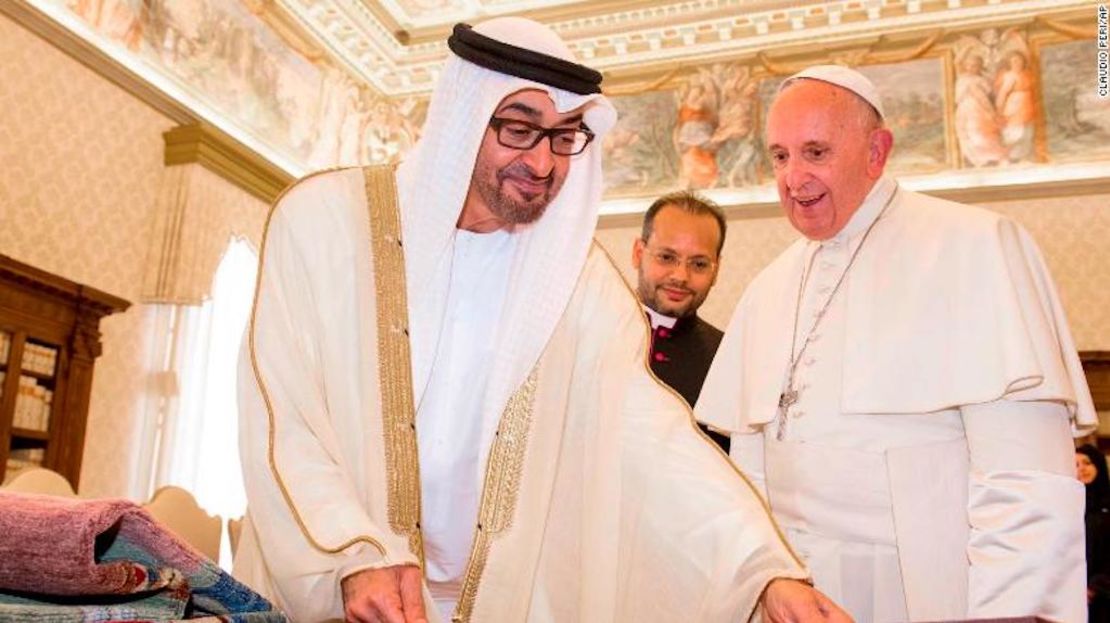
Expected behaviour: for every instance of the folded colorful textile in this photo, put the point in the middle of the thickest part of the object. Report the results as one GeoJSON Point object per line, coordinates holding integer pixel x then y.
{"type": "Point", "coordinates": [66, 559]}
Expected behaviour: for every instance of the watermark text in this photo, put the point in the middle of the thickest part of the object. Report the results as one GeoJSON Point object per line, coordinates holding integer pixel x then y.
{"type": "Point", "coordinates": [1102, 53]}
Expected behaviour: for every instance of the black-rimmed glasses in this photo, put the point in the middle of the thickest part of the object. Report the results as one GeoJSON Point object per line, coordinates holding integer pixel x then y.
{"type": "Point", "coordinates": [517, 134]}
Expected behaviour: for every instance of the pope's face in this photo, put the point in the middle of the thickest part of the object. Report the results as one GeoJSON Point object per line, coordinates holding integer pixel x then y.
{"type": "Point", "coordinates": [677, 265]}
{"type": "Point", "coordinates": [827, 151]}
{"type": "Point", "coordinates": [1085, 470]}
{"type": "Point", "coordinates": [514, 186]}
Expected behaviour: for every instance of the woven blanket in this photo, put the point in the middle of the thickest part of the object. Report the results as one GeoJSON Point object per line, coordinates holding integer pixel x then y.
{"type": "Point", "coordinates": [68, 560]}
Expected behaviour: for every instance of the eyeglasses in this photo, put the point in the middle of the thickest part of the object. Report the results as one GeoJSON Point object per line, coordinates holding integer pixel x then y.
{"type": "Point", "coordinates": [671, 260]}
{"type": "Point", "coordinates": [516, 134]}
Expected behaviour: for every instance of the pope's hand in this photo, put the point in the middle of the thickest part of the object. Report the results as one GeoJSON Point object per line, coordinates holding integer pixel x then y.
{"type": "Point", "coordinates": [389, 595]}
{"type": "Point", "coordinates": [791, 601]}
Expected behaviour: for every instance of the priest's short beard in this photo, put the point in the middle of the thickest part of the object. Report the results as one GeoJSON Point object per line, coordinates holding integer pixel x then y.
{"type": "Point", "coordinates": [508, 209]}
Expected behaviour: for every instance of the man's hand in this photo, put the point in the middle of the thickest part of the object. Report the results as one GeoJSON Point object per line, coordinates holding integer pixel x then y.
{"type": "Point", "coordinates": [389, 595]}
{"type": "Point", "coordinates": [791, 601]}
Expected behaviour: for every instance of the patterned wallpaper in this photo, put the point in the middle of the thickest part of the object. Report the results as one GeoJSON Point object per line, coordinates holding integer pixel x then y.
{"type": "Point", "coordinates": [194, 217]}
{"type": "Point", "coordinates": [82, 167]}
{"type": "Point", "coordinates": [1073, 233]}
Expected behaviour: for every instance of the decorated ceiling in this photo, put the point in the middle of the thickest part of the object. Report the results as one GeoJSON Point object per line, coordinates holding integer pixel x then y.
{"type": "Point", "coordinates": [976, 87]}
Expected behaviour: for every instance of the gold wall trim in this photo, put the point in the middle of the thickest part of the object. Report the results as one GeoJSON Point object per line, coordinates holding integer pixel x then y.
{"type": "Point", "coordinates": [1056, 189]}
{"type": "Point", "coordinates": [402, 462]}
{"type": "Point", "coordinates": [500, 489]}
{"type": "Point", "coordinates": [216, 151]}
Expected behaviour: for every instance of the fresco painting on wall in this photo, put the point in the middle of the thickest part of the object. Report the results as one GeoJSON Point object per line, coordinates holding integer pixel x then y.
{"type": "Point", "coordinates": [638, 152]}
{"type": "Point", "coordinates": [702, 131]}
{"type": "Point", "coordinates": [315, 113]}
{"type": "Point", "coordinates": [715, 138]}
{"type": "Point", "coordinates": [913, 99]}
{"type": "Point", "coordinates": [700, 135]}
{"type": "Point", "coordinates": [707, 133]}
{"type": "Point", "coordinates": [995, 102]}
{"type": "Point", "coordinates": [1077, 121]}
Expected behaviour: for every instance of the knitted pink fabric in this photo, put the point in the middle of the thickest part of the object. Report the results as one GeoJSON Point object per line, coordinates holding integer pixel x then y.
{"type": "Point", "coordinates": [49, 545]}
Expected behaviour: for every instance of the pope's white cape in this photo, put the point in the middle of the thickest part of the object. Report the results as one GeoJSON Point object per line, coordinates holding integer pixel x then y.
{"type": "Point", "coordinates": [948, 310]}
{"type": "Point", "coordinates": [948, 305]}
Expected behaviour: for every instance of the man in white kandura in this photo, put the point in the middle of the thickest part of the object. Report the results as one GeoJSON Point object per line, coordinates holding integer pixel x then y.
{"type": "Point", "coordinates": [902, 383]}
{"type": "Point", "coordinates": [446, 406]}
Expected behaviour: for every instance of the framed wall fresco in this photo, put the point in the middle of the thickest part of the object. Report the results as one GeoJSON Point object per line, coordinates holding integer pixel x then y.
{"type": "Point", "coordinates": [639, 151]}
{"type": "Point", "coordinates": [283, 94]}
{"type": "Point", "coordinates": [995, 101]}
{"type": "Point", "coordinates": [1076, 119]}
{"type": "Point", "coordinates": [707, 132]}
{"type": "Point", "coordinates": [913, 95]}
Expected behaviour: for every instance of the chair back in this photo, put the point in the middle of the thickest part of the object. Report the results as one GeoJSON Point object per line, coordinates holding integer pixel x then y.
{"type": "Point", "coordinates": [177, 510]}
{"type": "Point", "coordinates": [40, 480]}
{"type": "Point", "coordinates": [234, 529]}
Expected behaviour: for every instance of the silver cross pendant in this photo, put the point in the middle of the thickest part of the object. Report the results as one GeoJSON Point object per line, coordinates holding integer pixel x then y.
{"type": "Point", "coordinates": [787, 398]}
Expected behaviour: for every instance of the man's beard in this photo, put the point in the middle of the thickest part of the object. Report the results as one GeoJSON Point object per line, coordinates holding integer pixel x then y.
{"type": "Point", "coordinates": [653, 297]}
{"type": "Point", "coordinates": [522, 211]}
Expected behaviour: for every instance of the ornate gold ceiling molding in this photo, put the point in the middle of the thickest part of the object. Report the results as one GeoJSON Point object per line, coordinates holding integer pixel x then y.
{"type": "Point", "coordinates": [1086, 31]}
{"type": "Point", "coordinates": [287, 28]}
{"type": "Point", "coordinates": [625, 39]}
{"type": "Point", "coordinates": [203, 144]}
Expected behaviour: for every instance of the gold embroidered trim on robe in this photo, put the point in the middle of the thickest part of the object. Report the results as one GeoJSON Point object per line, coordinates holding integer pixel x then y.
{"type": "Point", "coordinates": [256, 369]}
{"type": "Point", "coordinates": [500, 490]}
{"type": "Point", "coordinates": [402, 462]}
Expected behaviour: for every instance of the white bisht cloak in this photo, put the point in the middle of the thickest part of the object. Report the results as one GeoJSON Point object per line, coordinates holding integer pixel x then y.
{"type": "Point", "coordinates": [605, 504]}
{"type": "Point", "coordinates": [601, 501]}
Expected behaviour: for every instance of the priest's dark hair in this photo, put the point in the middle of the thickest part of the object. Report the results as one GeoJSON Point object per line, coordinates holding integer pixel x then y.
{"type": "Point", "coordinates": [690, 202]}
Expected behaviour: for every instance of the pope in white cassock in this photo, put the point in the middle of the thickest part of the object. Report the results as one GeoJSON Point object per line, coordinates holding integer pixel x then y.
{"type": "Point", "coordinates": [446, 406]}
{"type": "Point", "coordinates": [902, 384]}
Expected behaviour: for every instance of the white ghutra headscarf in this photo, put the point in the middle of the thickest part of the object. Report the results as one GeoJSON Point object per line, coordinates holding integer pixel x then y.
{"type": "Point", "coordinates": [433, 182]}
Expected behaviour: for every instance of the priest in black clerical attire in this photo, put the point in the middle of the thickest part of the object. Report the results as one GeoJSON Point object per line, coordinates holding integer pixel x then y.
{"type": "Point", "coordinates": [676, 259]}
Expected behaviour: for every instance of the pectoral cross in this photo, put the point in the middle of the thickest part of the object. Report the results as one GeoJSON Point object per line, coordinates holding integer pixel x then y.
{"type": "Point", "coordinates": [786, 398]}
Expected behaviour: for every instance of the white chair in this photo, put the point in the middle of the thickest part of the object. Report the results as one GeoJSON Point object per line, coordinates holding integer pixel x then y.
{"type": "Point", "coordinates": [234, 529]}
{"type": "Point", "coordinates": [40, 480]}
{"type": "Point", "coordinates": [177, 510]}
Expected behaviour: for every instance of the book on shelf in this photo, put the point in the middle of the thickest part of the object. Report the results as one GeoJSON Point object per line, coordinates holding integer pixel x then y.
{"type": "Point", "coordinates": [39, 359]}
{"type": "Point", "coordinates": [26, 457]}
{"type": "Point", "coordinates": [23, 458]}
{"type": "Point", "coordinates": [32, 405]}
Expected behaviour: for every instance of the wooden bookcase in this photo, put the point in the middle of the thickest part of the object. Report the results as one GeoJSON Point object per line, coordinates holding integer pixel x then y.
{"type": "Point", "coordinates": [49, 340]}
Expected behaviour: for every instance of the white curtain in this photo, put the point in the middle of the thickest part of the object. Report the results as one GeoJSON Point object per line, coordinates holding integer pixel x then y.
{"type": "Point", "coordinates": [193, 436]}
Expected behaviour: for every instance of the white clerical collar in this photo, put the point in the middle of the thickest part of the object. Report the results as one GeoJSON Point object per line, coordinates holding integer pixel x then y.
{"type": "Point", "coordinates": [659, 320]}
{"type": "Point", "coordinates": [868, 211]}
